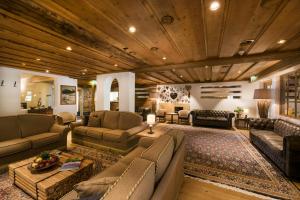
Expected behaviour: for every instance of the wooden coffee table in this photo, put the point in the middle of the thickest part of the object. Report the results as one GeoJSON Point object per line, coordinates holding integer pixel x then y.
{"type": "Point", "coordinates": [51, 184]}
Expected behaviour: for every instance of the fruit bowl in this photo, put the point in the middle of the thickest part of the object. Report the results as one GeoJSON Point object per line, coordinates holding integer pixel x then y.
{"type": "Point", "coordinates": [44, 161]}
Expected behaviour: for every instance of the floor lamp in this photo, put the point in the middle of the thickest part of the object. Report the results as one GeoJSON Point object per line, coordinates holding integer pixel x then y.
{"type": "Point", "coordinates": [263, 104]}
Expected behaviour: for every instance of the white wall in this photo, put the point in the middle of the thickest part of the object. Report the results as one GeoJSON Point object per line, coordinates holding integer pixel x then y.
{"type": "Point", "coordinates": [126, 81]}
{"type": "Point", "coordinates": [10, 97]}
{"type": "Point", "coordinates": [246, 101]}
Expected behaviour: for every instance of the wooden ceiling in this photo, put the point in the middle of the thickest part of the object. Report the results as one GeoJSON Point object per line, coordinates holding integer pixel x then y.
{"type": "Point", "coordinates": [200, 45]}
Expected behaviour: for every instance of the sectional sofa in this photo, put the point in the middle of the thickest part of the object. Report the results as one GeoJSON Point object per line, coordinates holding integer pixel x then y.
{"type": "Point", "coordinates": [109, 129]}
{"type": "Point", "coordinates": [153, 170]}
{"type": "Point", "coordinates": [23, 136]}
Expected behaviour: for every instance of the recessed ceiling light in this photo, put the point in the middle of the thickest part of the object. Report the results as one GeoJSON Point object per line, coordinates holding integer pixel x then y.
{"type": "Point", "coordinates": [215, 5]}
{"type": "Point", "coordinates": [181, 76]}
{"type": "Point", "coordinates": [85, 70]}
{"type": "Point", "coordinates": [164, 58]}
{"type": "Point", "coordinates": [116, 65]}
{"type": "Point", "coordinates": [47, 71]}
{"type": "Point", "coordinates": [239, 71]}
{"type": "Point", "coordinates": [281, 41]}
{"type": "Point", "coordinates": [69, 48]}
{"type": "Point", "coordinates": [83, 73]}
{"type": "Point", "coordinates": [132, 29]}
{"type": "Point", "coordinates": [206, 67]}
{"type": "Point", "coordinates": [173, 70]}
{"type": "Point", "coordinates": [38, 59]}
{"type": "Point", "coordinates": [23, 64]}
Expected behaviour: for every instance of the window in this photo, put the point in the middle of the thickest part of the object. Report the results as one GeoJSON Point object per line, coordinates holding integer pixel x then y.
{"type": "Point", "coordinates": [290, 94]}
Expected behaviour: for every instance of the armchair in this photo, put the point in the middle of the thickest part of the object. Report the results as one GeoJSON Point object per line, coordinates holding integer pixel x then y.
{"type": "Point", "coordinates": [161, 115]}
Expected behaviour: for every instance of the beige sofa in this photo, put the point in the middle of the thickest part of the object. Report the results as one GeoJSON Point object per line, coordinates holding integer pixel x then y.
{"type": "Point", "coordinates": [23, 136]}
{"type": "Point", "coordinates": [153, 170]}
{"type": "Point", "coordinates": [117, 130]}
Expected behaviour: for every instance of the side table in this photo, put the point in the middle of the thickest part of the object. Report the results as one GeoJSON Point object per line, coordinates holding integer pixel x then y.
{"type": "Point", "coordinates": [242, 123]}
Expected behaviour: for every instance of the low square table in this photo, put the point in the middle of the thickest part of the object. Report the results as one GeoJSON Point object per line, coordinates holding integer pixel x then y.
{"type": "Point", "coordinates": [52, 183]}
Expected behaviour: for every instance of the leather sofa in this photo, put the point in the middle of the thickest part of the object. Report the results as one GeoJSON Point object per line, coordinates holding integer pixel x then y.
{"type": "Point", "coordinates": [214, 118]}
{"type": "Point", "coordinates": [23, 136]}
{"type": "Point", "coordinates": [117, 131]}
{"type": "Point", "coordinates": [153, 170]}
{"type": "Point", "coordinates": [280, 141]}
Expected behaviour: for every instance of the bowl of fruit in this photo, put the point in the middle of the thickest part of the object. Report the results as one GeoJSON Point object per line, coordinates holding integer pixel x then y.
{"type": "Point", "coordinates": [43, 161]}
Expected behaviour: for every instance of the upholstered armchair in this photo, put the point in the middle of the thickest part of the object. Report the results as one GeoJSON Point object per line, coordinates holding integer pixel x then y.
{"type": "Point", "coordinates": [183, 116]}
{"type": "Point", "coordinates": [65, 118]}
{"type": "Point", "coordinates": [161, 115]}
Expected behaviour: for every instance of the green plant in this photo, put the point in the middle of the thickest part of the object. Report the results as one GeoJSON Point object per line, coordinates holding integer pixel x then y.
{"type": "Point", "coordinates": [239, 110]}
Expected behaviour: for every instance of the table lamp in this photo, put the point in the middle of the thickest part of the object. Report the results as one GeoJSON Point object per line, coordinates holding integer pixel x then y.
{"type": "Point", "coordinates": [263, 104]}
{"type": "Point", "coordinates": [246, 112]}
{"type": "Point", "coordinates": [151, 121]}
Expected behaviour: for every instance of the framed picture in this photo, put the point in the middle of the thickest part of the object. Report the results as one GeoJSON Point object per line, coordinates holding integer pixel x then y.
{"type": "Point", "coordinates": [67, 95]}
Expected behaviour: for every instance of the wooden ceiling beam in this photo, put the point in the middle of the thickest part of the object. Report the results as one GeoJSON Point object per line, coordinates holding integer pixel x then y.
{"type": "Point", "coordinates": [30, 58]}
{"type": "Point", "coordinates": [223, 61]}
{"type": "Point", "coordinates": [277, 67]}
{"type": "Point", "coordinates": [161, 77]}
{"type": "Point", "coordinates": [178, 76]}
{"type": "Point", "coordinates": [37, 68]}
{"type": "Point", "coordinates": [245, 71]}
{"type": "Point", "coordinates": [145, 76]}
{"type": "Point", "coordinates": [38, 16]}
{"type": "Point", "coordinates": [228, 70]}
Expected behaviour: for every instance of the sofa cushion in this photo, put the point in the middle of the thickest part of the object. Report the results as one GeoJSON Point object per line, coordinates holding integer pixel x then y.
{"type": "Point", "coordinates": [274, 140]}
{"type": "Point", "coordinates": [137, 152]}
{"type": "Point", "coordinates": [285, 128]}
{"type": "Point", "coordinates": [116, 135]}
{"type": "Point", "coordinates": [14, 146]}
{"type": "Point", "coordinates": [94, 189]}
{"type": "Point", "coordinates": [258, 132]}
{"type": "Point", "coordinates": [129, 120]}
{"type": "Point", "coordinates": [111, 120]}
{"type": "Point", "coordinates": [9, 128]}
{"type": "Point", "coordinates": [136, 183]}
{"type": "Point", "coordinates": [43, 139]}
{"type": "Point", "coordinates": [99, 114]}
{"type": "Point", "coordinates": [160, 152]}
{"type": "Point", "coordinates": [94, 121]}
{"type": "Point", "coordinates": [32, 124]}
{"type": "Point", "coordinates": [80, 130]}
{"type": "Point", "coordinates": [178, 136]}
{"type": "Point", "coordinates": [96, 132]}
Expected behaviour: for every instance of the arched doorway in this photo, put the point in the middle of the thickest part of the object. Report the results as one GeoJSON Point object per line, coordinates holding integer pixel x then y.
{"type": "Point", "coordinates": [114, 95]}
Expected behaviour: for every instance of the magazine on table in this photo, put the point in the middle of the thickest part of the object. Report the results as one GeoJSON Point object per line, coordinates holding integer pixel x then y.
{"type": "Point", "coordinates": [71, 164]}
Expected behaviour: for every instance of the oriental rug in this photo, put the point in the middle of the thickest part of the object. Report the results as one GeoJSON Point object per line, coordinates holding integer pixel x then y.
{"type": "Point", "coordinates": [228, 157]}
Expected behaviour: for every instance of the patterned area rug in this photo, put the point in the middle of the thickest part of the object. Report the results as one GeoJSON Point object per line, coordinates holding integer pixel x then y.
{"type": "Point", "coordinates": [102, 159]}
{"type": "Point", "coordinates": [228, 157]}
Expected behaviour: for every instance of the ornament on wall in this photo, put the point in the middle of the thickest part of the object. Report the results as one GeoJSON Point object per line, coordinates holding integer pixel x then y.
{"type": "Point", "coordinates": [2, 83]}
{"type": "Point", "coordinates": [173, 94]}
{"type": "Point", "coordinates": [15, 84]}
{"type": "Point", "coordinates": [188, 88]}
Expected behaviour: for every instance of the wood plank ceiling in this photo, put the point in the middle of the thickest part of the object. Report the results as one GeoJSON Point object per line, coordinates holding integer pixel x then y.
{"type": "Point", "coordinates": [238, 40]}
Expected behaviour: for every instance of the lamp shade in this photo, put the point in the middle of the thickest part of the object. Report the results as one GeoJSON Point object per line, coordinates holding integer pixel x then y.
{"type": "Point", "coordinates": [246, 111]}
{"type": "Point", "coordinates": [151, 119]}
{"type": "Point", "coordinates": [262, 94]}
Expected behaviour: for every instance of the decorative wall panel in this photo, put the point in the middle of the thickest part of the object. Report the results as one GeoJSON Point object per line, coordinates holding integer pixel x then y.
{"type": "Point", "coordinates": [221, 92]}
{"type": "Point", "coordinates": [174, 94]}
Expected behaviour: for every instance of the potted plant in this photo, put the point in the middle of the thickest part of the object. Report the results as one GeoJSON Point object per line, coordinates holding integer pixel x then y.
{"type": "Point", "coordinates": [238, 112]}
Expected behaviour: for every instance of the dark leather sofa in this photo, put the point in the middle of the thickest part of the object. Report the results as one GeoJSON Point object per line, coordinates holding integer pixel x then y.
{"type": "Point", "coordinates": [214, 118]}
{"type": "Point", "coordinates": [280, 141]}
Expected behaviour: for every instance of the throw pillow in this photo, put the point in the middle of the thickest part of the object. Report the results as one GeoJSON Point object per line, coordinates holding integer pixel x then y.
{"type": "Point", "coordinates": [94, 189]}
{"type": "Point", "coordinates": [94, 121]}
